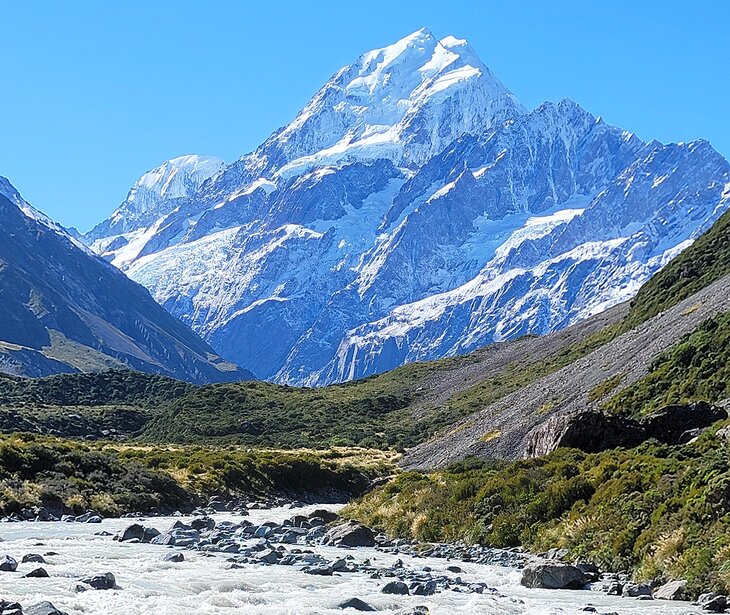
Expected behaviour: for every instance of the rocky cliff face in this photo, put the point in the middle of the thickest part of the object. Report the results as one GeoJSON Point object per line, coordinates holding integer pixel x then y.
{"type": "Point", "coordinates": [64, 309]}
{"type": "Point", "coordinates": [412, 210]}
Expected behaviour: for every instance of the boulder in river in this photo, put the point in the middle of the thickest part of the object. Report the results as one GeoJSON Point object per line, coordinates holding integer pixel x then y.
{"type": "Point", "coordinates": [36, 573]}
{"type": "Point", "coordinates": [357, 604]}
{"type": "Point", "coordinates": [674, 590]}
{"type": "Point", "coordinates": [174, 557]}
{"type": "Point", "coordinates": [42, 608]}
{"type": "Point", "coordinates": [35, 558]}
{"type": "Point", "coordinates": [8, 564]}
{"type": "Point", "coordinates": [634, 590]}
{"type": "Point", "coordinates": [714, 603]}
{"type": "Point", "coordinates": [553, 575]}
{"type": "Point", "coordinates": [398, 588]}
{"type": "Point", "coordinates": [350, 534]}
{"type": "Point", "coordinates": [101, 581]}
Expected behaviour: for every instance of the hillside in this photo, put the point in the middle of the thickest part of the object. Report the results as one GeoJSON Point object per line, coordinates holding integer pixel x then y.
{"type": "Point", "coordinates": [65, 310]}
{"type": "Point", "coordinates": [657, 510]}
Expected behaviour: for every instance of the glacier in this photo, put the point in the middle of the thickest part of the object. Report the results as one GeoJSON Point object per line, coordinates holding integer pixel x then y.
{"type": "Point", "coordinates": [413, 209]}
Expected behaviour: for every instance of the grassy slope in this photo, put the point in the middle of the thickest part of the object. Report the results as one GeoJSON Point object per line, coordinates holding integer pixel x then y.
{"type": "Point", "coordinates": [706, 260]}
{"type": "Point", "coordinates": [114, 479]}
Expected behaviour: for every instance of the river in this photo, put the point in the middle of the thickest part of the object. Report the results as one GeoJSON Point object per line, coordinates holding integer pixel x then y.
{"type": "Point", "coordinates": [202, 584]}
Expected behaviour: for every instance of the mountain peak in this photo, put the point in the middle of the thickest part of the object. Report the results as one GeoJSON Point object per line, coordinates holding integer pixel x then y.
{"type": "Point", "coordinates": [375, 107]}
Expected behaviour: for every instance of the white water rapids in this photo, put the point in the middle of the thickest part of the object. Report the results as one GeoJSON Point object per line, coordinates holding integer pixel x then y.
{"type": "Point", "coordinates": [202, 584]}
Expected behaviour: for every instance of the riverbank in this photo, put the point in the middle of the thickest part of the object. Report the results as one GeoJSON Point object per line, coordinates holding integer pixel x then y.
{"type": "Point", "coordinates": [269, 574]}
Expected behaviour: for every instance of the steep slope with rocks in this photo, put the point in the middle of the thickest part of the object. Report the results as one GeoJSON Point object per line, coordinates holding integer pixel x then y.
{"type": "Point", "coordinates": [64, 309]}
{"type": "Point", "coordinates": [415, 210]}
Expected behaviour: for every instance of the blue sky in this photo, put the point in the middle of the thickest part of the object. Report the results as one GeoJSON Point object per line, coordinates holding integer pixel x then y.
{"type": "Point", "coordinates": [95, 93]}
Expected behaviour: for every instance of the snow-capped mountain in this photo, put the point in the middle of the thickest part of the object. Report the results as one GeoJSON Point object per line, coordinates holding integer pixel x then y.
{"type": "Point", "coordinates": [64, 309]}
{"type": "Point", "coordinates": [414, 209]}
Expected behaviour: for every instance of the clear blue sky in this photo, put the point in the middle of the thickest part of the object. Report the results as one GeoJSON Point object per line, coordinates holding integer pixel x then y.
{"type": "Point", "coordinates": [95, 93]}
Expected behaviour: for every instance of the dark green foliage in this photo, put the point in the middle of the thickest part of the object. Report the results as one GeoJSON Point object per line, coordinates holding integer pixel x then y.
{"type": "Point", "coordinates": [114, 386]}
{"type": "Point", "coordinates": [67, 476]}
{"type": "Point", "coordinates": [706, 260]}
{"type": "Point", "coordinates": [661, 511]}
{"type": "Point", "coordinates": [698, 368]}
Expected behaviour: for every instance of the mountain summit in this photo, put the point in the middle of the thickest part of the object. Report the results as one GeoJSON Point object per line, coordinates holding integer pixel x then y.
{"type": "Point", "coordinates": [412, 210]}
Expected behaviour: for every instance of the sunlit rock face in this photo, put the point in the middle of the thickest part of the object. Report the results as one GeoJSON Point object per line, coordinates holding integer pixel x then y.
{"type": "Point", "coordinates": [413, 209]}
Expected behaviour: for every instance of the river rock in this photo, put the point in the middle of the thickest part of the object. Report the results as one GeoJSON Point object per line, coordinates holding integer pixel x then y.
{"type": "Point", "coordinates": [132, 532]}
{"type": "Point", "coordinates": [8, 564]}
{"type": "Point", "coordinates": [553, 575]}
{"type": "Point", "coordinates": [396, 587]}
{"type": "Point", "coordinates": [174, 557]}
{"type": "Point", "coordinates": [202, 523]}
{"type": "Point", "coordinates": [357, 604]}
{"type": "Point", "coordinates": [350, 534]}
{"type": "Point", "coordinates": [634, 590]}
{"type": "Point", "coordinates": [674, 590]}
{"type": "Point", "coordinates": [714, 603]}
{"type": "Point", "coordinates": [101, 581]}
{"type": "Point", "coordinates": [36, 573]}
{"type": "Point", "coordinates": [10, 608]}
{"type": "Point", "coordinates": [42, 608]}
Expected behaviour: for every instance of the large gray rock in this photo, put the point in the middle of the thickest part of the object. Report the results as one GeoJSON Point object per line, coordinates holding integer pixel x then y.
{"type": "Point", "coordinates": [42, 608]}
{"type": "Point", "coordinates": [8, 564]}
{"type": "Point", "coordinates": [635, 590]}
{"type": "Point", "coordinates": [350, 534]}
{"type": "Point", "coordinates": [674, 590]}
{"type": "Point", "coordinates": [553, 575]}
{"type": "Point", "coordinates": [357, 604]}
{"type": "Point", "coordinates": [101, 581]}
{"type": "Point", "coordinates": [396, 587]}
{"type": "Point", "coordinates": [714, 603]}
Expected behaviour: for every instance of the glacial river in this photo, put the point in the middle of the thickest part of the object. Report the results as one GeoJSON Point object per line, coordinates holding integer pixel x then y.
{"type": "Point", "coordinates": [202, 584]}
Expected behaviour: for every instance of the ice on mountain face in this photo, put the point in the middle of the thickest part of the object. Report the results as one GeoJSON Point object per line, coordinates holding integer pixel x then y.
{"type": "Point", "coordinates": [413, 209]}
{"type": "Point", "coordinates": [155, 194]}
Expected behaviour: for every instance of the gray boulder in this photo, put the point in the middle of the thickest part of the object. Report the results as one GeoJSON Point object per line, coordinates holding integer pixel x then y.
{"type": "Point", "coordinates": [553, 575]}
{"type": "Point", "coordinates": [674, 590]}
{"type": "Point", "coordinates": [398, 588]}
{"type": "Point", "coordinates": [36, 573]}
{"type": "Point", "coordinates": [357, 604]}
{"type": "Point", "coordinates": [101, 581]}
{"type": "Point", "coordinates": [35, 558]}
{"type": "Point", "coordinates": [714, 603]}
{"type": "Point", "coordinates": [173, 557]}
{"type": "Point", "coordinates": [8, 564]}
{"type": "Point", "coordinates": [42, 608]}
{"type": "Point", "coordinates": [634, 590]}
{"type": "Point", "coordinates": [350, 534]}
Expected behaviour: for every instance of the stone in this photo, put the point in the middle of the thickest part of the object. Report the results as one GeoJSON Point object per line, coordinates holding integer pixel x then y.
{"type": "Point", "coordinates": [101, 581]}
{"type": "Point", "coordinates": [42, 608]}
{"type": "Point", "coordinates": [674, 590]}
{"type": "Point", "coordinates": [37, 573]}
{"type": "Point", "coordinates": [634, 590]}
{"type": "Point", "coordinates": [132, 532]}
{"type": "Point", "coordinates": [8, 564]}
{"type": "Point", "coordinates": [553, 575]}
{"type": "Point", "coordinates": [202, 523]}
{"type": "Point", "coordinates": [350, 534]}
{"type": "Point", "coordinates": [35, 558]}
{"type": "Point", "coordinates": [357, 604]}
{"type": "Point", "coordinates": [398, 588]}
{"type": "Point", "coordinates": [173, 557]}
{"type": "Point", "coordinates": [269, 556]}
{"type": "Point", "coordinates": [327, 515]}
{"type": "Point", "coordinates": [714, 603]}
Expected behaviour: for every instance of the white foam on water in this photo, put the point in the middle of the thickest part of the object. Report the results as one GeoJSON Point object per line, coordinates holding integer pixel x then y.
{"type": "Point", "coordinates": [203, 585]}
